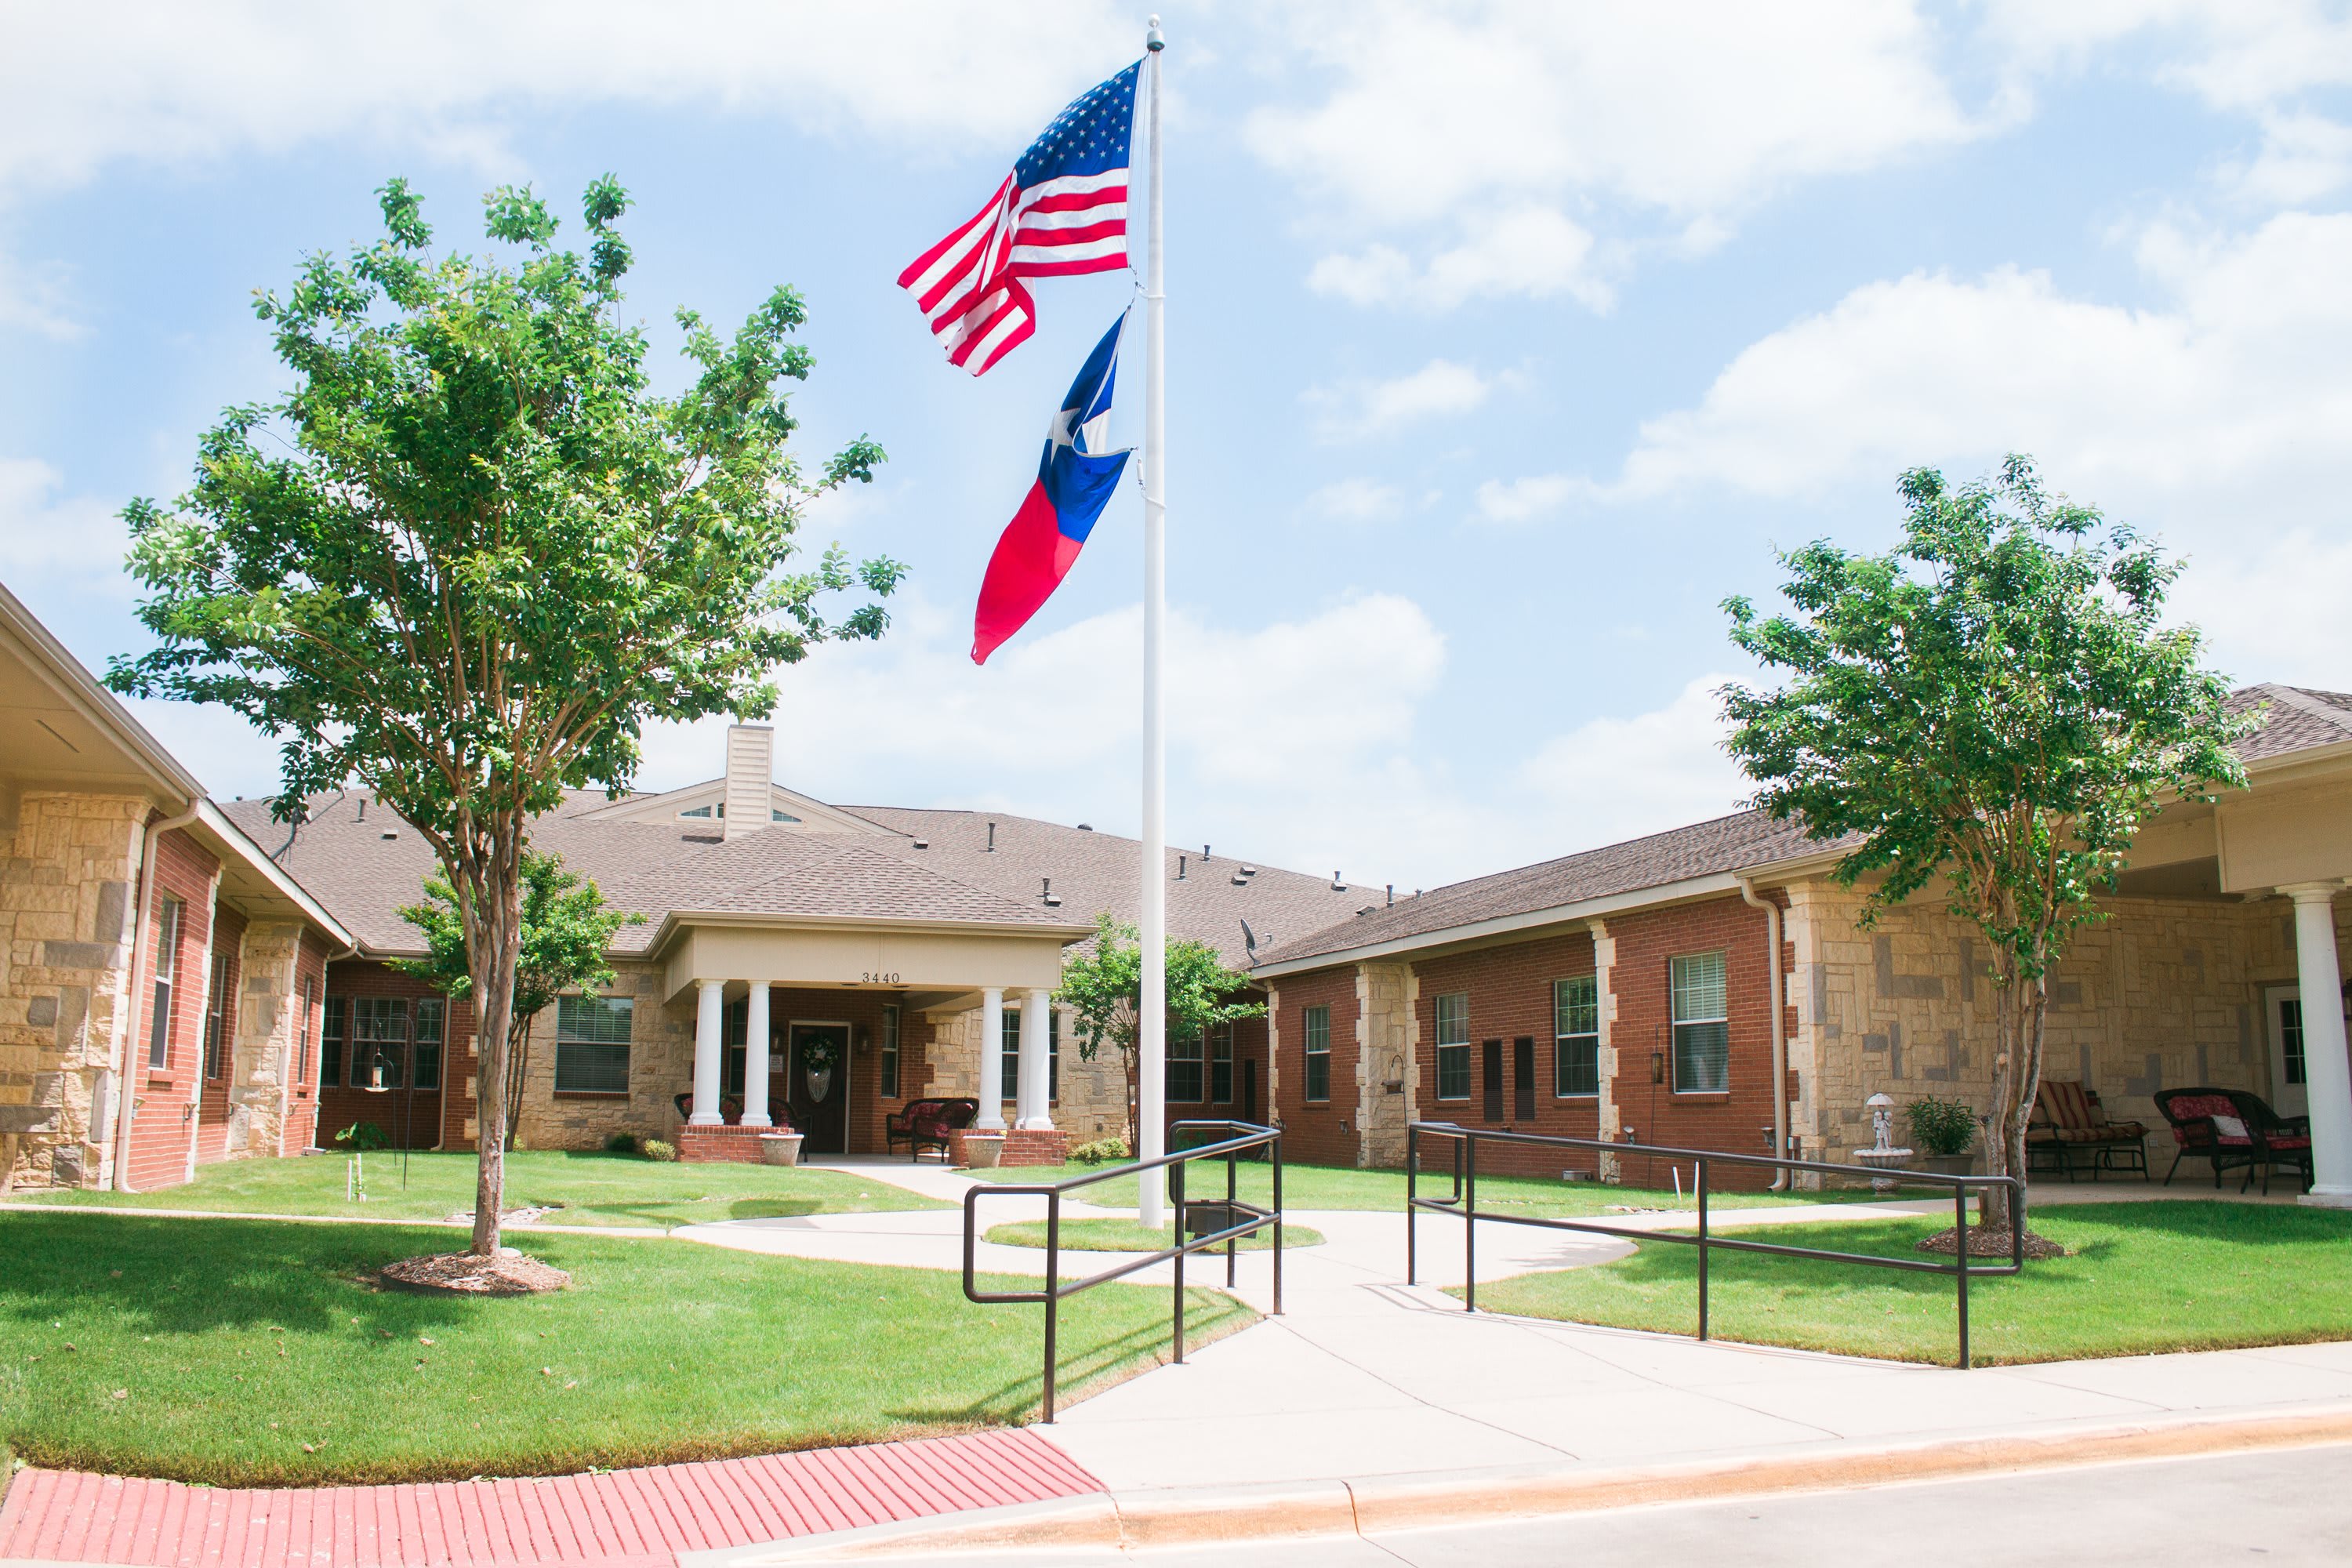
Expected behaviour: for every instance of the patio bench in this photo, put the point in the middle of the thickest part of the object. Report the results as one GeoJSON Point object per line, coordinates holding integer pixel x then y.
{"type": "Point", "coordinates": [923, 1124]}
{"type": "Point", "coordinates": [2069, 1132]}
{"type": "Point", "coordinates": [2233, 1130]}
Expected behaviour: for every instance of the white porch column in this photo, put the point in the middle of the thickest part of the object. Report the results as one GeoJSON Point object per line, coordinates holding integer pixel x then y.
{"type": "Point", "coordinates": [1036, 1067]}
{"type": "Point", "coordinates": [2328, 1072]}
{"type": "Point", "coordinates": [708, 1015]}
{"type": "Point", "coordinates": [992, 1061]}
{"type": "Point", "coordinates": [755, 1058]}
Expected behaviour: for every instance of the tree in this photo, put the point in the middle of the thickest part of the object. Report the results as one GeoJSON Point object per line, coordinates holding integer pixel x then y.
{"type": "Point", "coordinates": [1105, 989]}
{"type": "Point", "coordinates": [1996, 701]}
{"type": "Point", "coordinates": [566, 929]}
{"type": "Point", "coordinates": [472, 554]}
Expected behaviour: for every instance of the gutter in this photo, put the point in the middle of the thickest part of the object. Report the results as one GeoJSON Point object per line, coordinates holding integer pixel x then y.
{"type": "Point", "coordinates": [139, 932]}
{"type": "Point", "coordinates": [1779, 1030]}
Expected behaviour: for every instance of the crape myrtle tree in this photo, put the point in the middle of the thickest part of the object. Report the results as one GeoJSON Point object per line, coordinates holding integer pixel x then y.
{"type": "Point", "coordinates": [1104, 987]}
{"type": "Point", "coordinates": [473, 553]}
{"type": "Point", "coordinates": [1996, 702]}
{"type": "Point", "coordinates": [567, 928]}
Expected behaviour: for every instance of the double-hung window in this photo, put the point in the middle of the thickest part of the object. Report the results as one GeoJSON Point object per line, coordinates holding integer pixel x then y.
{"type": "Point", "coordinates": [331, 1041]}
{"type": "Point", "coordinates": [216, 1020]}
{"type": "Point", "coordinates": [1702, 1026]}
{"type": "Point", "coordinates": [1315, 1024]}
{"type": "Point", "coordinates": [1575, 1031]}
{"type": "Point", "coordinates": [1009, 1060]}
{"type": "Point", "coordinates": [592, 1043]}
{"type": "Point", "coordinates": [432, 1014]}
{"type": "Point", "coordinates": [1220, 1063]}
{"type": "Point", "coordinates": [167, 972]}
{"type": "Point", "coordinates": [1454, 1046]}
{"type": "Point", "coordinates": [1184, 1068]}
{"type": "Point", "coordinates": [379, 1041]}
{"type": "Point", "coordinates": [890, 1051]}
{"type": "Point", "coordinates": [301, 1073]}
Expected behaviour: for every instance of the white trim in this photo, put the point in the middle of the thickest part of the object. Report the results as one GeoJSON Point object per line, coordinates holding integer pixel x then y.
{"type": "Point", "coordinates": [254, 856]}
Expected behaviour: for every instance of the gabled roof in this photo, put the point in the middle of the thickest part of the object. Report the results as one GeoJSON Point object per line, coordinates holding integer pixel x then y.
{"type": "Point", "coordinates": [2299, 720]}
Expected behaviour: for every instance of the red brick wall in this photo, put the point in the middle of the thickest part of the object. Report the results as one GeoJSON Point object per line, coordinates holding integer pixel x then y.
{"type": "Point", "coordinates": [863, 1012]}
{"type": "Point", "coordinates": [1321, 1132]}
{"type": "Point", "coordinates": [211, 1113]}
{"type": "Point", "coordinates": [159, 1126]}
{"type": "Point", "coordinates": [1510, 991]}
{"type": "Point", "coordinates": [430, 1116]}
{"type": "Point", "coordinates": [301, 1128]}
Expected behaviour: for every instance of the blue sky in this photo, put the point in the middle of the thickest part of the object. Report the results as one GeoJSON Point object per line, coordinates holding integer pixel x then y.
{"type": "Point", "coordinates": [1505, 342]}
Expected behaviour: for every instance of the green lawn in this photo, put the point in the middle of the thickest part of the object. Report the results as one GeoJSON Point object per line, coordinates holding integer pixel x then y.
{"type": "Point", "coordinates": [248, 1353]}
{"type": "Point", "coordinates": [582, 1188]}
{"type": "Point", "coordinates": [1345, 1187]}
{"type": "Point", "coordinates": [1126, 1236]}
{"type": "Point", "coordinates": [2144, 1278]}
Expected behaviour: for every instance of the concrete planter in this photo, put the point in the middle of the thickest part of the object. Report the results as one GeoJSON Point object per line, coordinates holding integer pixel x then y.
{"type": "Point", "coordinates": [983, 1151]}
{"type": "Point", "coordinates": [779, 1148]}
{"type": "Point", "coordinates": [1948, 1164]}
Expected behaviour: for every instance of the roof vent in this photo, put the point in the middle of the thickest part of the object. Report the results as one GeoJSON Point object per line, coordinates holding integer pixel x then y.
{"type": "Point", "coordinates": [751, 779]}
{"type": "Point", "coordinates": [1181, 859]}
{"type": "Point", "coordinates": [992, 838]}
{"type": "Point", "coordinates": [1336, 885]}
{"type": "Point", "coordinates": [1240, 880]}
{"type": "Point", "coordinates": [362, 816]}
{"type": "Point", "coordinates": [1204, 855]}
{"type": "Point", "coordinates": [1391, 893]}
{"type": "Point", "coordinates": [1051, 902]}
{"type": "Point", "coordinates": [922, 843]}
{"type": "Point", "coordinates": [1368, 909]}
{"type": "Point", "coordinates": [1085, 827]}
{"type": "Point", "coordinates": [1249, 870]}
{"type": "Point", "coordinates": [390, 832]}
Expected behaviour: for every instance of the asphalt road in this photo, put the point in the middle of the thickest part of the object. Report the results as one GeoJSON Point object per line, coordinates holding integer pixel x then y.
{"type": "Point", "coordinates": [2287, 1506]}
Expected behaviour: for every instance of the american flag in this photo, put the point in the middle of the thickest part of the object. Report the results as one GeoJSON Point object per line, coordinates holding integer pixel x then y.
{"type": "Point", "coordinates": [1061, 210]}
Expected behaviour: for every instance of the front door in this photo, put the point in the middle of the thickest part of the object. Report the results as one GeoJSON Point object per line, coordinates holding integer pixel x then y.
{"type": "Point", "coordinates": [818, 1076]}
{"type": "Point", "coordinates": [2289, 1097]}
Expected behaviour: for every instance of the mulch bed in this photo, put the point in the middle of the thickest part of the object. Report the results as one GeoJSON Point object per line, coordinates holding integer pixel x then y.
{"type": "Point", "coordinates": [463, 1274]}
{"type": "Point", "coordinates": [1988, 1242]}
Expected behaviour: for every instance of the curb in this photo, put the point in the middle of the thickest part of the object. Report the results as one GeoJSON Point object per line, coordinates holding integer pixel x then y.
{"type": "Point", "coordinates": [1197, 1515]}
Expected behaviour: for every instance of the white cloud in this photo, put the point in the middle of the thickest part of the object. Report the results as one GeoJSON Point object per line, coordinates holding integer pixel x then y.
{"type": "Point", "coordinates": [1356, 410]}
{"type": "Point", "coordinates": [61, 541]}
{"type": "Point", "coordinates": [1616, 778]}
{"type": "Point", "coordinates": [1357, 500]}
{"type": "Point", "coordinates": [2304, 158]}
{"type": "Point", "coordinates": [34, 300]}
{"type": "Point", "coordinates": [1524, 500]}
{"type": "Point", "coordinates": [2233, 54]}
{"type": "Point", "coordinates": [84, 85]}
{"type": "Point", "coordinates": [1531, 250]}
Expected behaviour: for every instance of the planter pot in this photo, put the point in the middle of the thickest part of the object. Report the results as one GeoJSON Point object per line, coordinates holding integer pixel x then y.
{"type": "Point", "coordinates": [1948, 1164]}
{"type": "Point", "coordinates": [779, 1148]}
{"type": "Point", "coordinates": [984, 1152]}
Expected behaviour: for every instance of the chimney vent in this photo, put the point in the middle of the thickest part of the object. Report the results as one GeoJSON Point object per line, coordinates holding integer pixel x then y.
{"type": "Point", "coordinates": [992, 838]}
{"type": "Point", "coordinates": [1180, 866]}
{"type": "Point", "coordinates": [751, 779]}
{"type": "Point", "coordinates": [1051, 902]}
{"type": "Point", "coordinates": [1393, 892]}
{"type": "Point", "coordinates": [1336, 885]}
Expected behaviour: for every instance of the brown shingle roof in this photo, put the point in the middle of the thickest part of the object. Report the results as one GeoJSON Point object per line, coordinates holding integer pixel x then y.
{"type": "Point", "coordinates": [2298, 719]}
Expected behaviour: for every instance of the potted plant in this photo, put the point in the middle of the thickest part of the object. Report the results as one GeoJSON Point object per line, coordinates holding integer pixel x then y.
{"type": "Point", "coordinates": [781, 1147]}
{"type": "Point", "coordinates": [1943, 1131]}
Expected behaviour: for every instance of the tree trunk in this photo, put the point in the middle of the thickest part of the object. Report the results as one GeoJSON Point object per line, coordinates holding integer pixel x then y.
{"type": "Point", "coordinates": [2021, 1010]}
{"type": "Point", "coordinates": [494, 959]}
{"type": "Point", "coordinates": [517, 1069]}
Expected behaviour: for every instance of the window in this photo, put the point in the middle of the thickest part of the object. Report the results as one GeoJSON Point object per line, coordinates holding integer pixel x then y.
{"type": "Point", "coordinates": [379, 1041]}
{"type": "Point", "coordinates": [699, 811]}
{"type": "Point", "coordinates": [216, 1020]}
{"type": "Point", "coordinates": [890, 1051]}
{"type": "Point", "coordinates": [1702, 1026]}
{"type": "Point", "coordinates": [1220, 1063]}
{"type": "Point", "coordinates": [1576, 1027]}
{"type": "Point", "coordinates": [1009, 1066]}
{"type": "Point", "coordinates": [1185, 1068]}
{"type": "Point", "coordinates": [592, 1043]}
{"type": "Point", "coordinates": [2291, 1039]}
{"type": "Point", "coordinates": [431, 1014]}
{"type": "Point", "coordinates": [1453, 1047]}
{"type": "Point", "coordinates": [167, 971]}
{"type": "Point", "coordinates": [302, 1030]}
{"type": "Point", "coordinates": [1316, 1025]}
{"type": "Point", "coordinates": [331, 1041]}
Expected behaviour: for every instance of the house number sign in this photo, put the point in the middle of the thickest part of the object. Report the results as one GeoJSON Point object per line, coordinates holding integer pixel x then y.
{"type": "Point", "coordinates": [879, 977]}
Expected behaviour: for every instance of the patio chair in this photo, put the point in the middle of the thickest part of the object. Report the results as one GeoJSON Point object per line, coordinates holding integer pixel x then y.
{"type": "Point", "coordinates": [925, 1125]}
{"type": "Point", "coordinates": [2278, 1140]}
{"type": "Point", "coordinates": [731, 1108]}
{"type": "Point", "coordinates": [2209, 1124]}
{"type": "Point", "coordinates": [2069, 1132]}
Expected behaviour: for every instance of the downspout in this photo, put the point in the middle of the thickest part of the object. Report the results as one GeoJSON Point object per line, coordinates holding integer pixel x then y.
{"type": "Point", "coordinates": [139, 929]}
{"type": "Point", "coordinates": [1780, 1032]}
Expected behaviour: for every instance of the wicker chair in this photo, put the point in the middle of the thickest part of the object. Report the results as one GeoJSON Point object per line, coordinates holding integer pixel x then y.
{"type": "Point", "coordinates": [926, 1123]}
{"type": "Point", "coordinates": [2233, 1130]}
{"type": "Point", "coordinates": [2069, 1132]}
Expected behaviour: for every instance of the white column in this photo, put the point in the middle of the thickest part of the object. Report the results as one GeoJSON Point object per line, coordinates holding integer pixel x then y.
{"type": "Point", "coordinates": [992, 1061]}
{"type": "Point", "coordinates": [755, 1058]}
{"type": "Point", "coordinates": [709, 1012]}
{"type": "Point", "coordinates": [1036, 1070]}
{"type": "Point", "coordinates": [2327, 1071]}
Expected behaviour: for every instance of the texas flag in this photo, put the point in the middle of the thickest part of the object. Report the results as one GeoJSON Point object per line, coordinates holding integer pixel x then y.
{"type": "Point", "coordinates": [1074, 480]}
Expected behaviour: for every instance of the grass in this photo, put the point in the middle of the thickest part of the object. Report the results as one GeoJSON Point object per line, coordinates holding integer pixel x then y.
{"type": "Point", "coordinates": [1346, 1187]}
{"type": "Point", "coordinates": [1126, 1236]}
{"type": "Point", "coordinates": [250, 1352]}
{"type": "Point", "coordinates": [582, 1188]}
{"type": "Point", "coordinates": [2144, 1278]}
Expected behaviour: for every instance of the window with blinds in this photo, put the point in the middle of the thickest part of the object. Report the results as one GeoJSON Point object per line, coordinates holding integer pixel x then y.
{"type": "Point", "coordinates": [1702, 1025]}
{"type": "Point", "coordinates": [1454, 1046]}
{"type": "Point", "coordinates": [1576, 1027]}
{"type": "Point", "coordinates": [1315, 1026]}
{"type": "Point", "coordinates": [592, 1043]}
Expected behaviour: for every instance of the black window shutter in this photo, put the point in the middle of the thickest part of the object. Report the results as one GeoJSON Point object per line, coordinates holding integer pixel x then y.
{"type": "Point", "coordinates": [1523, 1077]}
{"type": "Point", "coordinates": [1494, 1080]}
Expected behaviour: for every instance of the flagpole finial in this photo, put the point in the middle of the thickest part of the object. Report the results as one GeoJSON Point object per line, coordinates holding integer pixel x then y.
{"type": "Point", "coordinates": [1151, 38]}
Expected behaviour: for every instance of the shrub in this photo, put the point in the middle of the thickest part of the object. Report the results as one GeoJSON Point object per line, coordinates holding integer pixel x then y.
{"type": "Point", "coordinates": [362, 1136]}
{"type": "Point", "coordinates": [621, 1144]}
{"type": "Point", "coordinates": [1941, 1126]}
{"type": "Point", "coordinates": [656, 1149]}
{"type": "Point", "coordinates": [1101, 1152]}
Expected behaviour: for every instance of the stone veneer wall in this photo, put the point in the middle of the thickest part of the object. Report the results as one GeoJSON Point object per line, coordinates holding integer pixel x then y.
{"type": "Point", "coordinates": [661, 1063]}
{"type": "Point", "coordinates": [2163, 993]}
{"type": "Point", "coordinates": [1388, 1041]}
{"type": "Point", "coordinates": [66, 922]}
{"type": "Point", "coordinates": [262, 1056]}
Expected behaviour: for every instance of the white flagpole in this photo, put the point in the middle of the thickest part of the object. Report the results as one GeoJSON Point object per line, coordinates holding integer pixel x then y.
{"type": "Point", "coordinates": [1151, 1069]}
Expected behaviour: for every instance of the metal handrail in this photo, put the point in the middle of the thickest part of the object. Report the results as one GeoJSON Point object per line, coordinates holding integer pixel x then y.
{"type": "Point", "coordinates": [1464, 1201]}
{"type": "Point", "coordinates": [1247, 1136]}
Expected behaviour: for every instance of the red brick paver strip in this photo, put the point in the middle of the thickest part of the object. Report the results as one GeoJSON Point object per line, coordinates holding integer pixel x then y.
{"type": "Point", "coordinates": [621, 1518]}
